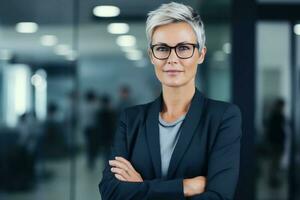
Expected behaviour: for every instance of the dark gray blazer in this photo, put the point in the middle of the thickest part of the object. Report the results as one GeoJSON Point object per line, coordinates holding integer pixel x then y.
{"type": "Point", "coordinates": [209, 145]}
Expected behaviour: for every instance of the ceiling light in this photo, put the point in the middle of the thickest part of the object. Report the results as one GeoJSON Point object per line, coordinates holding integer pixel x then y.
{"type": "Point", "coordinates": [137, 55]}
{"type": "Point", "coordinates": [62, 49]}
{"type": "Point", "coordinates": [118, 28]}
{"type": "Point", "coordinates": [126, 40]}
{"type": "Point", "coordinates": [129, 49]}
{"type": "Point", "coordinates": [106, 11]}
{"type": "Point", "coordinates": [48, 40]}
{"type": "Point", "coordinates": [297, 29]}
{"type": "Point", "coordinates": [71, 56]}
{"type": "Point", "coordinates": [133, 57]}
{"type": "Point", "coordinates": [26, 27]}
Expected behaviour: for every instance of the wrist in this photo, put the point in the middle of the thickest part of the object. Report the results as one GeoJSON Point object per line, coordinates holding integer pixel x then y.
{"type": "Point", "coordinates": [186, 188]}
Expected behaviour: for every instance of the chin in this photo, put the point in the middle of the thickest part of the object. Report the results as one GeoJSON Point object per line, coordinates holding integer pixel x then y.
{"type": "Point", "coordinates": [173, 84]}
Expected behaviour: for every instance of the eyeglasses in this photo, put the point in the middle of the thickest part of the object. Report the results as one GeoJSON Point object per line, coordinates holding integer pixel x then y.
{"type": "Point", "coordinates": [182, 50]}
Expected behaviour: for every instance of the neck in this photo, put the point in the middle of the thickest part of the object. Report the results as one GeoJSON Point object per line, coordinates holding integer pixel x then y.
{"type": "Point", "coordinates": [176, 100]}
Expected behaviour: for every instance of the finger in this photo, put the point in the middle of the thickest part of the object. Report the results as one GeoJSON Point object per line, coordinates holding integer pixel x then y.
{"type": "Point", "coordinates": [118, 164]}
{"type": "Point", "coordinates": [126, 162]}
{"type": "Point", "coordinates": [131, 171]}
{"type": "Point", "coordinates": [119, 177]}
{"type": "Point", "coordinates": [121, 172]}
{"type": "Point", "coordinates": [121, 165]}
{"type": "Point", "coordinates": [201, 177]}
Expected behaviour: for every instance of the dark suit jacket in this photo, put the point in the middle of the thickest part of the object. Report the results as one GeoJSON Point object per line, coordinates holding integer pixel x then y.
{"type": "Point", "coordinates": [209, 145]}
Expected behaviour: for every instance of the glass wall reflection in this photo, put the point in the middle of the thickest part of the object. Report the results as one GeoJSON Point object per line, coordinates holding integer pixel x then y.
{"type": "Point", "coordinates": [273, 110]}
{"type": "Point", "coordinates": [37, 83]}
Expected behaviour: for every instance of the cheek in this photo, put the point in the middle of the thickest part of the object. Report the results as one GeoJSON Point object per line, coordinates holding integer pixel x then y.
{"type": "Point", "coordinates": [157, 70]}
{"type": "Point", "coordinates": [158, 65]}
{"type": "Point", "coordinates": [190, 67]}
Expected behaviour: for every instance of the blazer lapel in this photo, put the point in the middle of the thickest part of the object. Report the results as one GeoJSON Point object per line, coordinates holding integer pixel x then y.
{"type": "Point", "coordinates": [189, 125]}
{"type": "Point", "coordinates": [152, 132]}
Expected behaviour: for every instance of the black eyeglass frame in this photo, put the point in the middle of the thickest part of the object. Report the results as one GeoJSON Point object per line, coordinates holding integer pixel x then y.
{"type": "Point", "coordinates": [174, 47]}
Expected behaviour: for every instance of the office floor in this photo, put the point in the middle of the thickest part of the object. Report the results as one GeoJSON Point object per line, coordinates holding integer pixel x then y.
{"type": "Point", "coordinates": [263, 189]}
{"type": "Point", "coordinates": [58, 187]}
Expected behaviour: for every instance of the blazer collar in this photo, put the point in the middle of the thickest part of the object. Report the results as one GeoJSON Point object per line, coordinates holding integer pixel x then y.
{"type": "Point", "coordinates": [189, 125]}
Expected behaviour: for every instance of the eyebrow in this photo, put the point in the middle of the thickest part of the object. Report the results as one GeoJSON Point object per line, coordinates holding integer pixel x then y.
{"type": "Point", "coordinates": [162, 43]}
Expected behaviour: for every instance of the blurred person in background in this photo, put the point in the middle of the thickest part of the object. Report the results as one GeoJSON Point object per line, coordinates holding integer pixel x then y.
{"type": "Point", "coordinates": [182, 145]}
{"type": "Point", "coordinates": [29, 132]}
{"type": "Point", "coordinates": [125, 98]}
{"type": "Point", "coordinates": [71, 118]}
{"type": "Point", "coordinates": [106, 123]}
{"type": "Point", "coordinates": [54, 142]}
{"type": "Point", "coordinates": [91, 109]}
{"type": "Point", "coordinates": [24, 156]}
{"type": "Point", "coordinates": [276, 140]}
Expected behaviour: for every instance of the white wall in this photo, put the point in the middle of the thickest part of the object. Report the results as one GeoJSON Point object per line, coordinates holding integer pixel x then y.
{"type": "Point", "coordinates": [17, 92]}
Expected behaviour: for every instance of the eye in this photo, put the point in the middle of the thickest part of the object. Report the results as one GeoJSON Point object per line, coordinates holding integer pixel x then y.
{"type": "Point", "coordinates": [184, 47]}
{"type": "Point", "coordinates": [161, 48]}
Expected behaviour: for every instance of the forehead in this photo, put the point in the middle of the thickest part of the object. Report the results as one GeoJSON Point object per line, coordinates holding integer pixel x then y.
{"type": "Point", "coordinates": [174, 33]}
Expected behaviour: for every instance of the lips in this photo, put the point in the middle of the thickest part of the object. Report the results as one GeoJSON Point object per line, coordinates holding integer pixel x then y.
{"type": "Point", "coordinates": [172, 71]}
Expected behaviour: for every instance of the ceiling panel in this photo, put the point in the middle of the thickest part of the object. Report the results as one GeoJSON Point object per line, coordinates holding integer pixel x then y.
{"type": "Point", "coordinates": [55, 17]}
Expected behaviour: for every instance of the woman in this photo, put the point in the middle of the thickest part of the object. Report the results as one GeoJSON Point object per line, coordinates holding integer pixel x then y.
{"type": "Point", "coordinates": [182, 145]}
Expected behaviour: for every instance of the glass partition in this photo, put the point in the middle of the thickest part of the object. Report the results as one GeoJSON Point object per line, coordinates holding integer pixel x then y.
{"type": "Point", "coordinates": [273, 109]}
{"type": "Point", "coordinates": [37, 83]}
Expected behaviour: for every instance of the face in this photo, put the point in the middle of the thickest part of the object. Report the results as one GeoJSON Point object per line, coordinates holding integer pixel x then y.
{"type": "Point", "coordinates": [175, 71]}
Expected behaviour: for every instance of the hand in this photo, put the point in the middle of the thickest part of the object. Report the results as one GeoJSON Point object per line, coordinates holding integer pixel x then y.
{"type": "Point", "coordinates": [124, 171]}
{"type": "Point", "coordinates": [193, 186]}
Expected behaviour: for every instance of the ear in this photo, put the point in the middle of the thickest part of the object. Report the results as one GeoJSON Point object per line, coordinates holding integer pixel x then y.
{"type": "Point", "coordinates": [150, 55]}
{"type": "Point", "coordinates": [202, 55]}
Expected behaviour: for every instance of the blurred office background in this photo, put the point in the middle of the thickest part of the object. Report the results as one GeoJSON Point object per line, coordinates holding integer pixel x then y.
{"type": "Point", "coordinates": [68, 67]}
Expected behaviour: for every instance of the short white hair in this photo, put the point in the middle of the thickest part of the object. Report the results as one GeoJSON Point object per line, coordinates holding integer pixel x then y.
{"type": "Point", "coordinates": [175, 12]}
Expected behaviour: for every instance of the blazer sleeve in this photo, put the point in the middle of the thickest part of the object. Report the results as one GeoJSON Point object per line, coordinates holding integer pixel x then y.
{"type": "Point", "coordinates": [113, 189]}
{"type": "Point", "coordinates": [224, 159]}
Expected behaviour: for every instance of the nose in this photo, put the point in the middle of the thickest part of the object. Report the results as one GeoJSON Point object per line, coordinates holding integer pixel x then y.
{"type": "Point", "coordinates": [173, 57]}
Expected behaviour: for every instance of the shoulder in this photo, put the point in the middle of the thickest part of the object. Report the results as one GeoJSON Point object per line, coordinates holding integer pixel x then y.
{"type": "Point", "coordinates": [135, 114]}
{"type": "Point", "coordinates": [224, 119]}
{"type": "Point", "coordinates": [136, 110]}
{"type": "Point", "coordinates": [220, 109]}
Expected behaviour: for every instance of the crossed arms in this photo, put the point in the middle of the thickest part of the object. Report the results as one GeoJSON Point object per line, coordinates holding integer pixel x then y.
{"type": "Point", "coordinates": [122, 182]}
